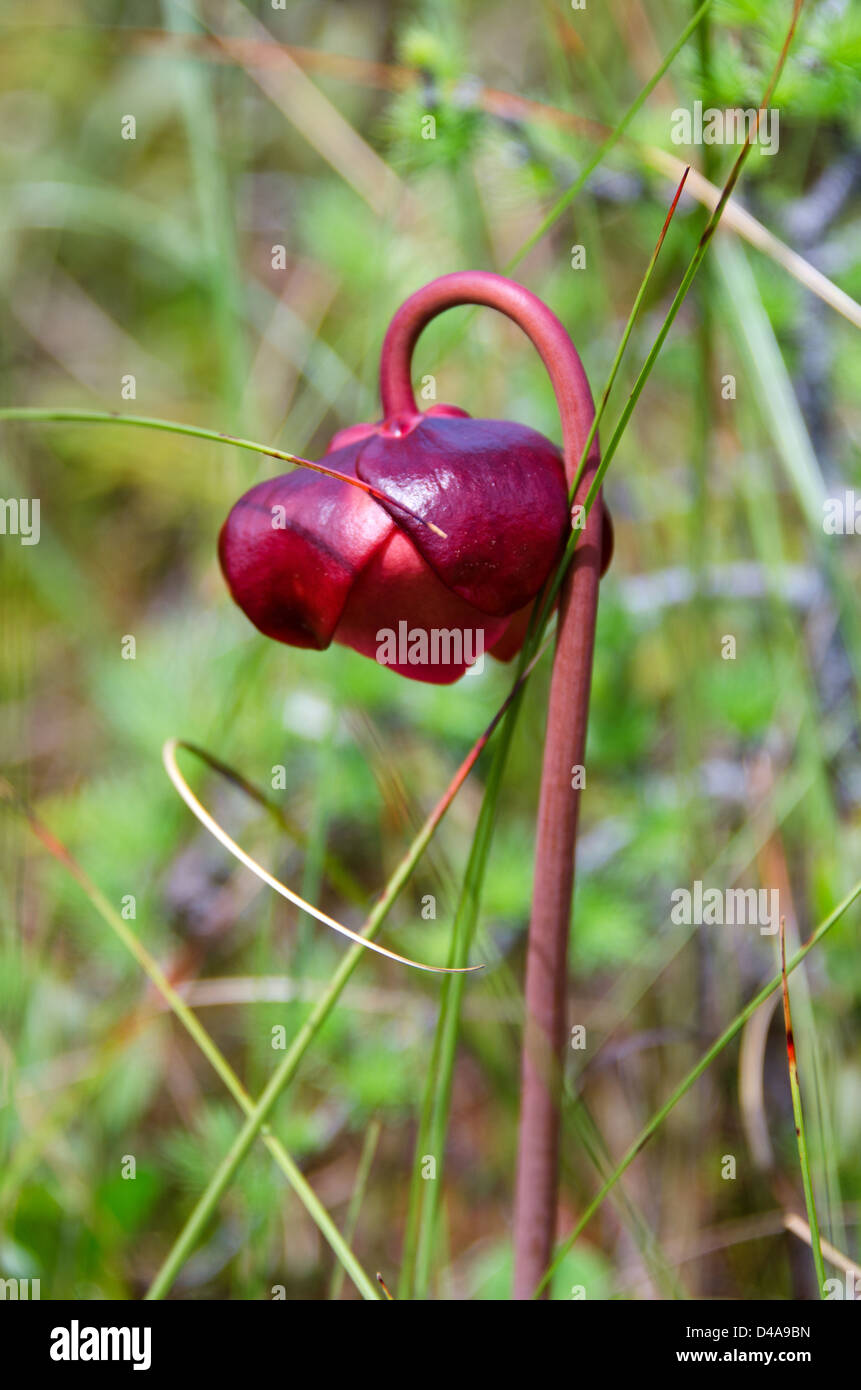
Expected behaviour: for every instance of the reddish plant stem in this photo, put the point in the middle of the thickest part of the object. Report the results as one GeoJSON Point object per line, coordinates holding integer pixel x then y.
{"type": "Point", "coordinates": [545, 1030]}
{"type": "Point", "coordinates": [547, 950]}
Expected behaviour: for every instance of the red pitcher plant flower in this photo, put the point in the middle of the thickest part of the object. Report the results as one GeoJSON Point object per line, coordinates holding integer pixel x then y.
{"type": "Point", "coordinates": [437, 522]}
{"type": "Point", "coordinates": [438, 565]}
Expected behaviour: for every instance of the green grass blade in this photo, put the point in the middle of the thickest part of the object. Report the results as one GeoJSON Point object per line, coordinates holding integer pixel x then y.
{"type": "Point", "coordinates": [425, 1196]}
{"type": "Point", "coordinates": [366, 1159]}
{"type": "Point", "coordinates": [798, 1115]}
{"type": "Point", "coordinates": [567, 198]}
{"type": "Point", "coordinates": [198, 1033]}
{"type": "Point", "coordinates": [431, 1140]}
{"type": "Point", "coordinates": [289, 1065]}
{"type": "Point", "coordinates": [717, 1047]}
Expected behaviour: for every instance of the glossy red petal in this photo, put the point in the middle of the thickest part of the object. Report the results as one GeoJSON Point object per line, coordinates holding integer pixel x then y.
{"type": "Point", "coordinates": [400, 614]}
{"type": "Point", "coordinates": [292, 547]}
{"type": "Point", "coordinates": [496, 488]}
{"type": "Point", "coordinates": [509, 644]}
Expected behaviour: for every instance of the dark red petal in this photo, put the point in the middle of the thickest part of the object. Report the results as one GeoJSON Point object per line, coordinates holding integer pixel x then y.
{"type": "Point", "coordinates": [511, 641]}
{"type": "Point", "coordinates": [353, 433]}
{"type": "Point", "coordinates": [398, 607]}
{"type": "Point", "coordinates": [498, 491]}
{"type": "Point", "coordinates": [453, 411]}
{"type": "Point", "coordinates": [292, 578]}
{"type": "Point", "coordinates": [350, 435]}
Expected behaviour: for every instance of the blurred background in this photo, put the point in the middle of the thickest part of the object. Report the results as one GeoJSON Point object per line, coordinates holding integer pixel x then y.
{"type": "Point", "coordinates": [239, 259]}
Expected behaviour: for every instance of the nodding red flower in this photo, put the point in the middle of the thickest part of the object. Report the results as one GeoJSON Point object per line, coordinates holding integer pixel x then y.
{"type": "Point", "coordinates": [438, 563]}
{"type": "Point", "coordinates": [311, 560]}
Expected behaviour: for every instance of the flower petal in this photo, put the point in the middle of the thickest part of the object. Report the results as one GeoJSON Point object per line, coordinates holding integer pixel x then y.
{"type": "Point", "coordinates": [400, 614]}
{"type": "Point", "coordinates": [293, 546]}
{"type": "Point", "coordinates": [497, 490]}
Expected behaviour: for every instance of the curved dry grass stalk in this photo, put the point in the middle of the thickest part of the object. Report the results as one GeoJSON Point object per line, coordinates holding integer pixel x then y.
{"type": "Point", "coordinates": [751, 1085]}
{"type": "Point", "coordinates": [310, 111]}
{"type": "Point", "coordinates": [799, 1227]}
{"type": "Point", "coordinates": [752, 231]}
{"type": "Point", "coordinates": [168, 753]}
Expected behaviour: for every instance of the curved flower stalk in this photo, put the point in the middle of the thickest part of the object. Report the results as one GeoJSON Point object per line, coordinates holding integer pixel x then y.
{"type": "Point", "coordinates": [311, 560]}
{"type": "Point", "coordinates": [544, 1036]}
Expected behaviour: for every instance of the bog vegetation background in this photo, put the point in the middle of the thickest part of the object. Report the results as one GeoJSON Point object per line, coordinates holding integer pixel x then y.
{"type": "Point", "coordinates": [239, 259]}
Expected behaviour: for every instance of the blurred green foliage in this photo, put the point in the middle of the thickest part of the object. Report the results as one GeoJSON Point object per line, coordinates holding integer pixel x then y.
{"type": "Point", "coordinates": [153, 257]}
